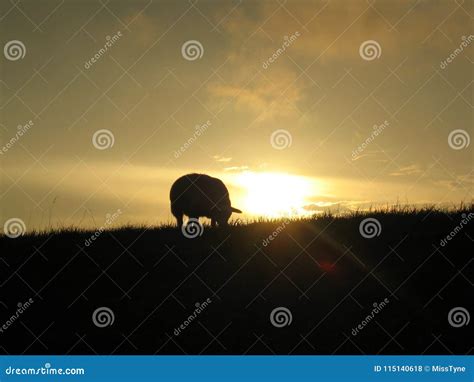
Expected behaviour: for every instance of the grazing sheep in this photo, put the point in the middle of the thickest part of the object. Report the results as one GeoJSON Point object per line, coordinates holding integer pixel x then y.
{"type": "Point", "coordinates": [196, 195]}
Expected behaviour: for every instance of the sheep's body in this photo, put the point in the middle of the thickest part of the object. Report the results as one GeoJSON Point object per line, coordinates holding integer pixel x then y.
{"type": "Point", "coordinates": [196, 195]}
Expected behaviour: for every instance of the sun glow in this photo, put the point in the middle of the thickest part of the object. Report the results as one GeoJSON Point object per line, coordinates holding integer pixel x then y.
{"type": "Point", "coordinates": [272, 194]}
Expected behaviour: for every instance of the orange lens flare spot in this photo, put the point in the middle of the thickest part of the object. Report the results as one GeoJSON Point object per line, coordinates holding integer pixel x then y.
{"type": "Point", "coordinates": [327, 266]}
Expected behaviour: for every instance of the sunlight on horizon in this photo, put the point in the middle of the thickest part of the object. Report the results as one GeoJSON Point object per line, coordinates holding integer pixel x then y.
{"type": "Point", "coordinates": [275, 194]}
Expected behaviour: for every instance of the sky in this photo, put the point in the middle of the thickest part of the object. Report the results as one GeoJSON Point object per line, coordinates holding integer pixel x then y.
{"type": "Point", "coordinates": [298, 106]}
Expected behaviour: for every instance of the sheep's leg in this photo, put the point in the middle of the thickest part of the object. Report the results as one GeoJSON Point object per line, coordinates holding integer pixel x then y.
{"type": "Point", "coordinates": [179, 220]}
{"type": "Point", "coordinates": [178, 214]}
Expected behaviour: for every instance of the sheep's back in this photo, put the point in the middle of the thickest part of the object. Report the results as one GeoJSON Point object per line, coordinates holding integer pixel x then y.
{"type": "Point", "coordinates": [198, 193]}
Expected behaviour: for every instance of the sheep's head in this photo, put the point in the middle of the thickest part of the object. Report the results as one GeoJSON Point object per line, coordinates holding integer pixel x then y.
{"type": "Point", "coordinates": [222, 214]}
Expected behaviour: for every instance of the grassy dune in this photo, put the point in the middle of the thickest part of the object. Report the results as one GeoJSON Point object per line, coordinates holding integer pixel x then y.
{"type": "Point", "coordinates": [322, 270]}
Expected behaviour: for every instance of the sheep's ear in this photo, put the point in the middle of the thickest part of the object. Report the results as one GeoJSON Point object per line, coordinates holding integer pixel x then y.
{"type": "Point", "coordinates": [237, 211]}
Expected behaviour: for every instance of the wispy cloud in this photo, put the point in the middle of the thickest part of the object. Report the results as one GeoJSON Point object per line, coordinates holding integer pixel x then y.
{"type": "Point", "coordinates": [236, 168]}
{"type": "Point", "coordinates": [219, 158]}
{"type": "Point", "coordinates": [407, 170]}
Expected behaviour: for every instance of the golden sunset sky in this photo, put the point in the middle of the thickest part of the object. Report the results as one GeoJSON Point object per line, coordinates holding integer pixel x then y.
{"type": "Point", "coordinates": [319, 95]}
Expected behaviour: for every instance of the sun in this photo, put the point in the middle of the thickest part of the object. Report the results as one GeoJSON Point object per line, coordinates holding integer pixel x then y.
{"type": "Point", "coordinates": [274, 194]}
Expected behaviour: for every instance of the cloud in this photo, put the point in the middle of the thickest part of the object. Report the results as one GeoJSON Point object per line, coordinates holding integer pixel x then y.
{"type": "Point", "coordinates": [407, 170]}
{"type": "Point", "coordinates": [145, 28]}
{"type": "Point", "coordinates": [218, 158]}
{"type": "Point", "coordinates": [266, 97]}
{"type": "Point", "coordinates": [457, 183]}
{"type": "Point", "coordinates": [236, 168]}
{"type": "Point", "coordinates": [255, 32]}
{"type": "Point", "coordinates": [333, 31]}
{"type": "Point", "coordinates": [332, 207]}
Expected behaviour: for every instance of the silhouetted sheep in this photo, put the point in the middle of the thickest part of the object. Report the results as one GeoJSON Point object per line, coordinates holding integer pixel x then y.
{"type": "Point", "coordinates": [196, 195]}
